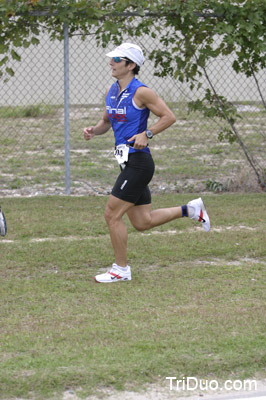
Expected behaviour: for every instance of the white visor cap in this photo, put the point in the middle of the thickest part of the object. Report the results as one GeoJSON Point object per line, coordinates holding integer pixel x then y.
{"type": "Point", "coordinates": [129, 50]}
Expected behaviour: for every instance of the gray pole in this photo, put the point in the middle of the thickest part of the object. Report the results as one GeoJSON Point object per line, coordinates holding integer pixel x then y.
{"type": "Point", "coordinates": [66, 108]}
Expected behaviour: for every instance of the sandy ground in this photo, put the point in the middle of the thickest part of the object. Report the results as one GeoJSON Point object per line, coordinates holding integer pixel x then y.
{"type": "Point", "coordinates": [164, 393]}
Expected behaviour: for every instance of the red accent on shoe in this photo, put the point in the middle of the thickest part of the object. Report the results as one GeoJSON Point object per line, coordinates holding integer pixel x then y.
{"type": "Point", "coordinates": [117, 276]}
{"type": "Point", "coordinates": [201, 216]}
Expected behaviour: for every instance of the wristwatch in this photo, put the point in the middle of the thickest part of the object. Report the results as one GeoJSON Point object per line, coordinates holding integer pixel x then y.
{"type": "Point", "coordinates": [149, 134]}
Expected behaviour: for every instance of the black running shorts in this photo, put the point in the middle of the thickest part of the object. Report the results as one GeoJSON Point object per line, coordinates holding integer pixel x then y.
{"type": "Point", "coordinates": [132, 183]}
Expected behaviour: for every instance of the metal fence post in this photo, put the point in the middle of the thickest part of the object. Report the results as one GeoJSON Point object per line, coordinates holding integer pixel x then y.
{"type": "Point", "coordinates": [66, 109]}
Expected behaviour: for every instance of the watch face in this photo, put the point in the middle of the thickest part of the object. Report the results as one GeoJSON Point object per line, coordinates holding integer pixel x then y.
{"type": "Point", "coordinates": [149, 134]}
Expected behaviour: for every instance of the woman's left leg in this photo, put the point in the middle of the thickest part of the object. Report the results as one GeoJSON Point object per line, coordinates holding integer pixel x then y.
{"type": "Point", "coordinates": [115, 209]}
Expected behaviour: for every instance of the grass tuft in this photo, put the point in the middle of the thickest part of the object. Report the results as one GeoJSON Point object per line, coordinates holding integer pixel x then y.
{"type": "Point", "coordinates": [31, 111]}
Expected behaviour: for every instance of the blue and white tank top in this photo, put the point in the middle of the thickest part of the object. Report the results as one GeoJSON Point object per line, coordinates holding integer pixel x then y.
{"type": "Point", "coordinates": [126, 118]}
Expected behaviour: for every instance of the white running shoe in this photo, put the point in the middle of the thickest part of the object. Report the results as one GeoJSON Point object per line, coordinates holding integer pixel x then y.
{"type": "Point", "coordinates": [3, 228]}
{"type": "Point", "coordinates": [114, 275]}
{"type": "Point", "coordinates": [197, 211]}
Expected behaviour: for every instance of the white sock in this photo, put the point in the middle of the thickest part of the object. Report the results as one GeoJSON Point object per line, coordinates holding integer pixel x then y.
{"type": "Point", "coordinates": [122, 269]}
{"type": "Point", "coordinates": [191, 211]}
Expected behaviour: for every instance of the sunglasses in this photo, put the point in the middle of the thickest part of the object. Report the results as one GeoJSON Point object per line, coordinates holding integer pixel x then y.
{"type": "Point", "coordinates": [119, 59]}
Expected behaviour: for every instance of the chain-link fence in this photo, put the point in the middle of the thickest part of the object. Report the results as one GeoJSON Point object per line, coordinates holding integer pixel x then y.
{"type": "Point", "coordinates": [188, 156]}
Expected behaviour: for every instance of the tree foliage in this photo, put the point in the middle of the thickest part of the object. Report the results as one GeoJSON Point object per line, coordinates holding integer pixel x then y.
{"type": "Point", "coordinates": [191, 33]}
{"type": "Point", "coordinates": [193, 27]}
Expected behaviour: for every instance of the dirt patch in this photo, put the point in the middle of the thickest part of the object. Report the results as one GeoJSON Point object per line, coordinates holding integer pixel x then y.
{"type": "Point", "coordinates": [150, 233]}
{"type": "Point", "coordinates": [156, 392]}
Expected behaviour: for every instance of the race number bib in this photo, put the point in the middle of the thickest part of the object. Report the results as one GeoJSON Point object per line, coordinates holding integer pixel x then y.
{"type": "Point", "coordinates": [121, 153]}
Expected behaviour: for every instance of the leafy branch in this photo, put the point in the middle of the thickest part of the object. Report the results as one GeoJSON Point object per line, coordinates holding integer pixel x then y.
{"type": "Point", "coordinates": [187, 30]}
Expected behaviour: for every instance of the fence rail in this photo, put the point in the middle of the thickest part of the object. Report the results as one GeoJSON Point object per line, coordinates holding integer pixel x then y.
{"type": "Point", "coordinates": [58, 89]}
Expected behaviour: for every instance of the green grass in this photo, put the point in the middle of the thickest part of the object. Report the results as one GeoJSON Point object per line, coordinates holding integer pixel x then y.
{"type": "Point", "coordinates": [31, 111]}
{"type": "Point", "coordinates": [195, 305]}
{"type": "Point", "coordinates": [187, 150]}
